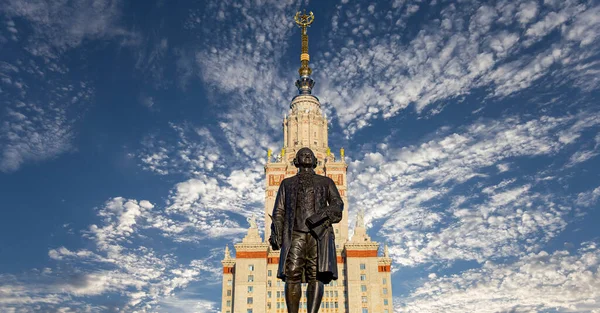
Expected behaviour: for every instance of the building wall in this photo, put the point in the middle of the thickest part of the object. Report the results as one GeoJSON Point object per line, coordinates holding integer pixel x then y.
{"type": "Point", "coordinates": [227, 295]}
{"type": "Point", "coordinates": [306, 126]}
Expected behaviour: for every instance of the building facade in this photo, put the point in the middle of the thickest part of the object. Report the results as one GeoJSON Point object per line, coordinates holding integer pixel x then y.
{"type": "Point", "coordinates": [250, 284]}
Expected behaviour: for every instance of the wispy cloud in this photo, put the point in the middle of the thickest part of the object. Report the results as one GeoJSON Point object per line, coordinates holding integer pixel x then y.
{"type": "Point", "coordinates": [243, 63]}
{"type": "Point", "coordinates": [35, 129]}
{"type": "Point", "coordinates": [120, 264]}
{"type": "Point", "coordinates": [538, 282]}
{"type": "Point", "coordinates": [59, 26]}
{"type": "Point", "coordinates": [41, 102]}
{"type": "Point", "coordinates": [439, 201]}
{"type": "Point", "coordinates": [196, 208]}
{"type": "Point", "coordinates": [377, 64]}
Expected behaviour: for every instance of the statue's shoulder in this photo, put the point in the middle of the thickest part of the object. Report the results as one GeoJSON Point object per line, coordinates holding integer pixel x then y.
{"type": "Point", "coordinates": [322, 179]}
{"type": "Point", "coordinates": [288, 180]}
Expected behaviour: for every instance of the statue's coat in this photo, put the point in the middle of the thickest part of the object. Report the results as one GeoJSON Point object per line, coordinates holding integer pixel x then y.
{"type": "Point", "coordinates": [328, 201]}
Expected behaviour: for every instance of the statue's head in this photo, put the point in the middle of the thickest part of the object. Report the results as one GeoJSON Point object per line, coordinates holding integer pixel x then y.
{"type": "Point", "coordinates": [305, 158]}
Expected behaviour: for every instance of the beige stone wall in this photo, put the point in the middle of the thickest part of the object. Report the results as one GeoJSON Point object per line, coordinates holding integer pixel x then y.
{"type": "Point", "coordinates": [227, 294]}
{"type": "Point", "coordinates": [385, 279]}
{"type": "Point", "coordinates": [255, 289]}
{"type": "Point", "coordinates": [306, 126]}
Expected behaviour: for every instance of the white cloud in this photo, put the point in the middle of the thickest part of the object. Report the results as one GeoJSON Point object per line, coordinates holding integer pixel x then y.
{"type": "Point", "coordinates": [242, 64]}
{"type": "Point", "coordinates": [581, 156]}
{"type": "Point", "coordinates": [42, 102]}
{"type": "Point", "coordinates": [34, 130]}
{"type": "Point", "coordinates": [538, 282]}
{"type": "Point", "coordinates": [503, 167]}
{"type": "Point", "coordinates": [59, 26]}
{"type": "Point", "coordinates": [527, 11]}
{"type": "Point", "coordinates": [207, 204]}
{"type": "Point", "coordinates": [179, 305]}
{"type": "Point", "coordinates": [193, 151]}
{"type": "Point", "coordinates": [405, 188]}
{"type": "Point", "coordinates": [119, 263]}
{"type": "Point", "coordinates": [588, 198]}
{"type": "Point", "coordinates": [378, 75]}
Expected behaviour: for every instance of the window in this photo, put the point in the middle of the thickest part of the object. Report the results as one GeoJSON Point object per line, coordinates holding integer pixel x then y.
{"type": "Point", "coordinates": [365, 310]}
{"type": "Point", "coordinates": [386, 311]}
{"type": "Point", "coordinates": [337, 230]}
{"type": "Point", "coordinates": [363, 266]}
{"type": "Point", "coordinates": [249, 311]}
{"type": "Point", "coordinates": [250, 278]}
{"type": "Point", "coordinates": [384, 281]}
{"type": "Point", "coordinates": [364, 299]}
{"type": "Point", "coordinates": [250, 288]}
{"type": "Point", "coordinates": [385, 291]}
{"type": "Point", "coordinates": [268, 294]}
{"type": "Point", "coordinates": [363, 288]}
{"type": "Point", "coordinates": [363, 277]}
{"type": "Point", "coordinates": [229, 282]}
{"type": "Point", "coordinates": [278, 294]}
{"type": "Point", "coordinates": [228, 303]}
{"type": "Point", "coordinates": [269, 273]}
{"type": "Point", "coordinates": [269, 305]}
{"type": "Point", "coordinates": [249, 300]}
{"type": "Point", "coordinates": [385, 301]}
{"type": "Point", "coordinates": [251, 267]}
{"type": "Point", "coordinates": [229, 292]}
{"type": "Point", "coordinates": [269, 283]}
{"type": "Point", "coordinates": [336, 293]}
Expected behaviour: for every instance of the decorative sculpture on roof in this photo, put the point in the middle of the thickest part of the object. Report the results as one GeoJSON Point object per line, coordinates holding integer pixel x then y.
{"type": "Point", "coordinates": [252, 221]}
{"type": "Point", "coordinates": [360, 218]}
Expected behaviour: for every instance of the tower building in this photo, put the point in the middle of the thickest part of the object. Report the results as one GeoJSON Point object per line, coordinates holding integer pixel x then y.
{"type": "Point", "coordinates": [250, 284]}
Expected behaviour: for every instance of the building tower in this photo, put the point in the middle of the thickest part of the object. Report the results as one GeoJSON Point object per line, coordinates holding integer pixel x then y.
{"type": "Point", "coordinates": [250, 284]}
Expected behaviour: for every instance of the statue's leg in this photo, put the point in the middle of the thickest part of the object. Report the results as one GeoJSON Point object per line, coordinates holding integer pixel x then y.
{"type": "Point", "coordinates": [293, 292]}
{"type": "Point", "coordinates": [314, 290]}
{"type": "Point", "coordinates": [294, 265]}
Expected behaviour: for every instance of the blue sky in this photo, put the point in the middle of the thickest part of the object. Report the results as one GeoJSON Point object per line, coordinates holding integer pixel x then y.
{"type": "Point", "coordinates": [133, 135]}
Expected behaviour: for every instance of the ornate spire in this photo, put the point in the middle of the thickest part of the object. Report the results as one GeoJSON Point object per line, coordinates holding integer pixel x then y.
{"type": "Point", "coordinates": [386, 253]}
{"type": "Point", "coordinates": [304, 83]}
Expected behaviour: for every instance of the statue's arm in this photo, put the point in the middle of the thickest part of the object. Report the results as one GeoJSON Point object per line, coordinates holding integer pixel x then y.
{"type": "Point", "coordinates": [278, 218]}
{"type": "Point", "coordinates": [336, 205]}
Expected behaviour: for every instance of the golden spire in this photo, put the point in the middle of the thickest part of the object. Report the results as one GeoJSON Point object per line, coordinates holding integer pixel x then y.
{"type": "Point", "coordinates": [305, 83]}
{"type": "Point", "coordinates": [304, 21]}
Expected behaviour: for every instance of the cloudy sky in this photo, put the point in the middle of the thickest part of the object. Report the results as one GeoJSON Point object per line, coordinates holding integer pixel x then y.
{"type": "Point", "coordinates": [133, 135]}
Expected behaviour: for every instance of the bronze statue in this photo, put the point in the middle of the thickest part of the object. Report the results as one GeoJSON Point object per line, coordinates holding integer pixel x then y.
{"type": "Point", "coordinates": [305, 208]}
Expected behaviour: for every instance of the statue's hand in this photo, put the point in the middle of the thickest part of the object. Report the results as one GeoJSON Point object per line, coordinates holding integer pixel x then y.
{"type": "Point", "coordinates": [274, 244]}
